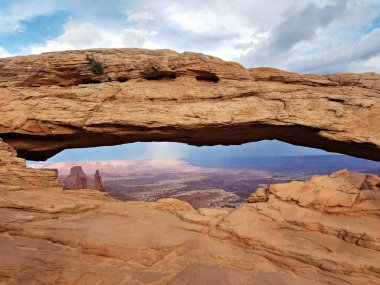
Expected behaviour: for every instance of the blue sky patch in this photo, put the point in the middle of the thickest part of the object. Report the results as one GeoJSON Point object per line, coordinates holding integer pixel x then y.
{"type": "Point", "coordinates": [35, 31]}
{"type": "Point", "coordinates": [374, 25]}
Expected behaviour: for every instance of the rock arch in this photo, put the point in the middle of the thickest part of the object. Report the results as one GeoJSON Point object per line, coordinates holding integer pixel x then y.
{"type": "Point", "coordinates": [56, 101]}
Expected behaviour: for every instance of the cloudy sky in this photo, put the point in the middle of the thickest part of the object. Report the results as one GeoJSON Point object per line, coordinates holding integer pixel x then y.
{"type": "Point", "coordinates": [305, 36]}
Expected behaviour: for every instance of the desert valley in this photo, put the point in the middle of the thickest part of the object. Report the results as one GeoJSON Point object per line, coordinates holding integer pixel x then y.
{"type": "Point", "coordinates": [226, 186]}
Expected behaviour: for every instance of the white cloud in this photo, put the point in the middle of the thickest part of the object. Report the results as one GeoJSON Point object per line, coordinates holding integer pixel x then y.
{"type": "Point", "coordinates": [78, 35]}
{"type": "Point", "coordinates": [357, 56]}
{"type": "Point", "coordinates": [320, 39]}
{"type": "Point", "coordinates": [302, 36]}
{"type": "Point", "coordinates": [373, 64]}
{"type": "Point", "coordinates": [4, 52]}
{"type": "Point", "coordinates": [220, 28]}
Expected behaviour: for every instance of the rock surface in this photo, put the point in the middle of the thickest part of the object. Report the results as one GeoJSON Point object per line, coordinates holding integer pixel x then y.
{"type": "Point", "coordinates": [322, 231]}
{"type": "Point", "coordinates": [76, 180]}
{"type": "Point", "coordinates": [61, 100]}
{"type": "Point", "coordinates": [15, 175]}
{"type": "Point", "coordinates": [98, 185]}
{"type": "Point", "coordinates": [78, 183]}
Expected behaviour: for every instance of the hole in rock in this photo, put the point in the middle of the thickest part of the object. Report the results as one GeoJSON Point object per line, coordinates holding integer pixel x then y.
{"type": "Point", "coordinates": [336, 100]}
{"type": "Point", "coordinates": [214, 79]}
{"type": "Point", "coordinates": [206, 76]}
{"type": "Point", "coordinates": [122, 79]}
{"type": "Point", "coordinates": [208, 176]}
{"type": "Point", "coordinates": [159, 75]}
{"type": "Point", "coordinates": [89, 81]}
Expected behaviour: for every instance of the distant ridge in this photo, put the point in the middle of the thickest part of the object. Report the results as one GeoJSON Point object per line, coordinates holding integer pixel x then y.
{"type": "Point", "coordinates": [308, 163]}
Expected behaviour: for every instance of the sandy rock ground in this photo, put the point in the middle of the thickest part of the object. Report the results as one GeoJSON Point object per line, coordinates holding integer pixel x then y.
{"type": "Point", "coordinates": [85, 237]}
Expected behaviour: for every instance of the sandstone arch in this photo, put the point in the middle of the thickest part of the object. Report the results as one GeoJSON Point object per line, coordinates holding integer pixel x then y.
{"type": "Point", "coordinates": [323, 230]}
{"type": "Point", "coordinates": [55, 101]}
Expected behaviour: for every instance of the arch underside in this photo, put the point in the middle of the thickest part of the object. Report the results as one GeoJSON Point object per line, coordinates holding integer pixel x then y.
{"type": "Point", "coordinates": [55, 101]}
{"type": "Point", "coordinates": [41, 148]}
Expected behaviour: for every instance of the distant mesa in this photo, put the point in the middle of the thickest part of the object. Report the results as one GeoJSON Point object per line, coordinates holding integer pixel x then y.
{"type": "Point", "coordinates": [78, 179]}
{"type": "Point", "coordinates": [79, 183]}
{"type": "Point", "coordinates": [77, 170]}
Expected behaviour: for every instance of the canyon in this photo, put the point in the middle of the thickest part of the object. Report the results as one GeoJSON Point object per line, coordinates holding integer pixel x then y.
{"type": "Point", "coordinates": [227, 184]}
{"type": "Point", "coordinates": [320, 231]}
{"type": "Point", "coordinates": [323, 231]}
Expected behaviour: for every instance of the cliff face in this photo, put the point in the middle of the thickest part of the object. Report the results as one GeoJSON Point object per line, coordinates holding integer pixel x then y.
{"type": "Point", "coordinates": [55, 101]}
{"type": "Point", "coordinates": [325, 234]}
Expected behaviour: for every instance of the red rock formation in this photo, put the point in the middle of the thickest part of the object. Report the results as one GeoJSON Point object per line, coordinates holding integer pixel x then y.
{"type": "Point", "coordinates": [98, 185]}
{"type": "Point", "coordinates": [322, 231]}
{"type": "Point", "coordinates": [145, 95]}
{"type": "Point", "coordinates": [77, 179]}
{"type": "Point", "coordinates": [79, 183]}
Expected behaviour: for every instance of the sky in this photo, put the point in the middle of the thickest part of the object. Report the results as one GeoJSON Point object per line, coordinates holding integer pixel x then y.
{"type": "Point", "coordinates": [304, 36]}
{"type": "Point", "coordinates": [168, 150]}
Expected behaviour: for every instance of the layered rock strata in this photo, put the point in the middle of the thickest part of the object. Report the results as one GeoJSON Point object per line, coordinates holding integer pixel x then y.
{"type": "Point", "coordinates": [323, 231]}
{"type": "Point", "coordinates": [15, 175]}
{"type": "Point", "coordinates": [61, 100]}
{"type": "Point", "coordinates": [301, 233]}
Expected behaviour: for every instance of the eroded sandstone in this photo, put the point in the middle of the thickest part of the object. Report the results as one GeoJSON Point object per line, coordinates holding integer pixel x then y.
{"type": "Point", "coordinates": [15, 175]}
{"type": "Point", "coordinates": [76, 180]}
{"type": "Point", "coordinates": [84, 236]}
{"type": "Point", "coordinates": [322, 231]}
{"type": "Point", "coordinates": [55, 101]}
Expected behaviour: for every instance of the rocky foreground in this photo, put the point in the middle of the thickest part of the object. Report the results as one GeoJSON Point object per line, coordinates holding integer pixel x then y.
{"type": "Point", "coordinates": [323, 231]}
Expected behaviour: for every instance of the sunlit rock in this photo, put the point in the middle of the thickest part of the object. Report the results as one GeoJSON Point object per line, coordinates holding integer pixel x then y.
{"type": "Point", "coordinates": [321, 231]}
{"type": "Point", "coordinates": [55, 101]}
{"type": "Point", "coordinates": [86, 235]}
